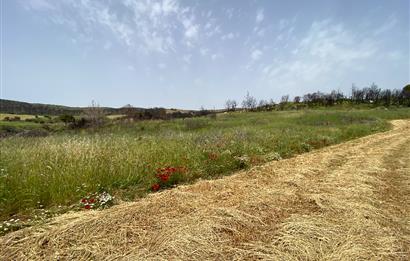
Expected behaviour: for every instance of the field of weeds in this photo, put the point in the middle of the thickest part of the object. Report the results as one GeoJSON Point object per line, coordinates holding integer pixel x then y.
{"type": "Point", "coordinates": [130, 160]}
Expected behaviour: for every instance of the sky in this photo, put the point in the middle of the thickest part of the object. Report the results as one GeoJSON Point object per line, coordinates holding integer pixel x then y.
{"type": "Point", "coordinates": [188, 54]}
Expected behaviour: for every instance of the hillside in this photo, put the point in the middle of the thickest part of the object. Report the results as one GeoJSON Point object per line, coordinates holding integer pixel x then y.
{"type": "Point", "coordinates": [18, 107]}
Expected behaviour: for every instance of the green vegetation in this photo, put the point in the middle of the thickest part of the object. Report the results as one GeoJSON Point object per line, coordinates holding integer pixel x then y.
{"type": "Point", "coordinates": [4, 116]}
{"type": "Point", "coordinates": [123, 158]}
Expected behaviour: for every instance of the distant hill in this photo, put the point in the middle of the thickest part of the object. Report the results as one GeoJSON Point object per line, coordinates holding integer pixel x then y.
{"type": "Point", "coordinates": [17, 107]}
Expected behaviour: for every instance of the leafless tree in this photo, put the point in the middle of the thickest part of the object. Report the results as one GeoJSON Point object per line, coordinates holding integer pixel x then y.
{"type": "Point", "coordinates": [95, 114]}
{"type": "Point", "coordinates": [249, 103]}
{"type": "Point", "coordinates": [230, 105]}
{"type": "Point", "coordinates": [284, 99]}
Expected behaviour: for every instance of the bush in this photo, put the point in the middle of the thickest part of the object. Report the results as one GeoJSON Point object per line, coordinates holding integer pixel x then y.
{"type": "Point", "coordinates": [66, 118]}
{"type": "Point", "coordinates": [95, 115]}
{"type": "Point", "coordinates": [80, 123]}
{"type": "Point", "coordinates": [15, 118]}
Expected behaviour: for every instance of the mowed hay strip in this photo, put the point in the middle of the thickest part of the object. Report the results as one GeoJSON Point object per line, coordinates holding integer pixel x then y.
{"type": "Point", "coordinates": [348, 201]}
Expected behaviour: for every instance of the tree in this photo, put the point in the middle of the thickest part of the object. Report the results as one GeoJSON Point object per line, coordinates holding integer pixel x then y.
{"type": "Point", "coordinates": [284, 99]}
{"type": "Point", "coordinates": [263, 103]}
{"type": "Point", "coordinates": [372, 93]}
{"type": "Point", "coordinates": [406, 94]}
{"type": "Point", "coordinates": [95, 115]}
{"type": "Point", "coordinates": [249, 102]}
{"type": "Point", "coordinates": [230, 105]}
{"type": "Point", "coordinates": [296, 99]}
{"type": "Point", "coordinates": [386, 97]}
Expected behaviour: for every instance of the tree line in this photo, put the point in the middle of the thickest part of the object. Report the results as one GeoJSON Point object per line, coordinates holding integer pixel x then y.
{"type": "Point", "coordinates": [372, 95]}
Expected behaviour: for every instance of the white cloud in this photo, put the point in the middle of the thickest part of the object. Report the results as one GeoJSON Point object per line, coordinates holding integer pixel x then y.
{"type": "Point", "coordinates": [191, 31]}
{"type": "Point", "coordinates": [169, 6]}
{"type": "Point", "coordinates": [204, 51]}
{"type": "Point", "coordinates": [212, 29]}
{"type": "Point", "coordinates": [228, 36]}
{"type": "Point", "coordinates": [389, 24]}
{"type": "Point", "coordinates": [216, 56]}
{"type": "Point", "coordinates": [259, 31]}
{"type": "Point", "coordinates": [259, 16]}
{"type": "Point", "coordinates": [326, 49]}
{"type": "Point", "coordinates": [37, 5]}
{"type": "Point", "coordinates": [187, 58]}
{"type": "Point", "coordinates": [256, 54]}
{"type": "Point", "coordinates": [146, 25]}
{"type": "Point", "coordinates": [229, 13]}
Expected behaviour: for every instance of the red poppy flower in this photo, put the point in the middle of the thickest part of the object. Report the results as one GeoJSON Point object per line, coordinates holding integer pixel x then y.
{"type": "Point", "coordinates": [164, 177]}
{"type": "Point", "coordinates": [87, 206]}
{"type": "Point", "coordinates": [155, 187]}
{"type": "Point", "coordinates": [84, 200]}
{"type": "Point", "coordinates": [91, 200]}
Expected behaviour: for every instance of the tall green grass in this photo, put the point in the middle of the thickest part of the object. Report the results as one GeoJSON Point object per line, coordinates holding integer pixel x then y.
{"type": "Point", "coordinates": [122, 158]}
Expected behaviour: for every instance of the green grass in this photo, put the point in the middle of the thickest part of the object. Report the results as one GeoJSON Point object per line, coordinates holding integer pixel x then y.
{"type": "Point", "coordinates": [28, 123]}
{"type": "Point", "coordinates": [22, 116]}
{"type": "Point", "coordinates": [122, 159]}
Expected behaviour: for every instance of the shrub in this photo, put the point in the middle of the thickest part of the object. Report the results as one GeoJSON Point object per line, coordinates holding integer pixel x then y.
{"type": "Point", "coordinates": [66, 118]}
{"type": "Point", "coordinates": [15, 118]}
{"type": "Point", "coordinates": [95, 115]}
{"type": "Point", "coordinates": [79, 124]}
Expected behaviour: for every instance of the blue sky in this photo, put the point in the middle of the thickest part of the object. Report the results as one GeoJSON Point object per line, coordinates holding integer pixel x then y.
{"type": "Point", "coordinates": [188, 54]}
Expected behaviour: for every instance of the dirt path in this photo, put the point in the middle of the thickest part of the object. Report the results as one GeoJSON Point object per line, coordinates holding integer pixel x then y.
{"type": "Point", "coordinates": [346, 202]}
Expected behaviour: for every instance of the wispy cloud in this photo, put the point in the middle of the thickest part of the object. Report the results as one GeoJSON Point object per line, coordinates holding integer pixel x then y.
{"type": "Point", "coordinates": [256, 54]}
{"type": "Point", "coordinates": [162, 66]}
{"type": "Point", "coordinates": [204, 51]}
{"type": "Point", "coordinates": [389, 24]}
{"type": "Point", "coordinates": [37, 4]}
{"type": "Point", "coordinates": [326, 48]}
{"type": "Point", "coordinates": [146, 25]}
{"type": "Point", "coordinates": [260, 15]}
{"type": "Point", "coordinates": [216, 56]}
{"type": "Point", "coordinates": [228, 36]}
{"type": "Point", "coordinates": [229, 13]}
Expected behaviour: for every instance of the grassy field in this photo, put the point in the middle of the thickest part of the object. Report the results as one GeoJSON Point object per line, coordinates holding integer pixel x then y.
{"type": "Point", "coordinates": [123, 159]}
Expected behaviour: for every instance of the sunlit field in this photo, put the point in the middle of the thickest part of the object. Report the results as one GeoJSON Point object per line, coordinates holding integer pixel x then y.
{"type": "Point", "coordinates": [123, 158]}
